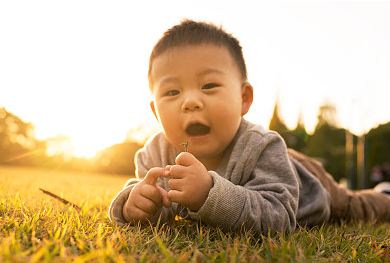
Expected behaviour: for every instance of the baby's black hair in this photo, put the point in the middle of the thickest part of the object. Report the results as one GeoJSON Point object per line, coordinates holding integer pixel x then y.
{"type": "Point", "coordinates": [190, 32]}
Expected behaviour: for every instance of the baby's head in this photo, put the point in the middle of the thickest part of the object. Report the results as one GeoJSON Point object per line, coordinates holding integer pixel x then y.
{"type": "Point", "coordinates": [195, 33]}
{"type": "Point", "coordinates": [198, 79]}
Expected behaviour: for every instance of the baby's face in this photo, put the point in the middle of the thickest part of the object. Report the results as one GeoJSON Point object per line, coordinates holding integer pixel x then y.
{"type": "Point", "coordinates": [198, 97]}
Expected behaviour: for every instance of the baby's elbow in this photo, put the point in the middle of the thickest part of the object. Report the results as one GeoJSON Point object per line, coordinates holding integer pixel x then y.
{"type": "Point", "coordinates": [279, 227]}
{"type": "Point", "coordinates": [287, 224]}
{"type": "Point", "coordinates": [283, 222]}
{"type": "Point", "coordinates": [286, 217]}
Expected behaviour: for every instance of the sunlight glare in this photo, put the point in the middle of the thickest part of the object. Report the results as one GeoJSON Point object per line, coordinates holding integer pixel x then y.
{"type": "Point", "coordinates": [86, 77]}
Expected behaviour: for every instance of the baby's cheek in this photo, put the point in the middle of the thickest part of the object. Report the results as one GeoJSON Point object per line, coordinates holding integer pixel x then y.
{"type": "Point", "coordinates": [173, 135]}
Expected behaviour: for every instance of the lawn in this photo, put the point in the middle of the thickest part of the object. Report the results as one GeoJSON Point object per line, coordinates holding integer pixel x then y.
{"type": "Point", "coordinates": [35, 227]}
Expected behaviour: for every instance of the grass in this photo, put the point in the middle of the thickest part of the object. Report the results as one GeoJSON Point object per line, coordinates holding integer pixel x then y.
{"type": "Point", "coordinates": [37, 228]}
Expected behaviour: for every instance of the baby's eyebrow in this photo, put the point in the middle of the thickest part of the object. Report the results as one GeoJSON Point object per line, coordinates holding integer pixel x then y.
{"type": "Point", "coordinates": [210, 71]}
{"type": "Point", "coordinates": [167, 80]}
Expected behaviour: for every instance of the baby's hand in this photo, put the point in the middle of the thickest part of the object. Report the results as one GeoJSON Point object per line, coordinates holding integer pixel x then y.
{"type": "Point", "coordinates": [146, 198]}
{"type": "Point", "coordinates": [190, 182]}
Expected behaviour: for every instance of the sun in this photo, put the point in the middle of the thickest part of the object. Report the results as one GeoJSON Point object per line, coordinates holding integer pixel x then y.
{"type": "Point", "coordinates": [85, 147]}
{"type": "Point", "coordinates": [84, 151]}
{"type": "Point", "coordinates": [77, 146]}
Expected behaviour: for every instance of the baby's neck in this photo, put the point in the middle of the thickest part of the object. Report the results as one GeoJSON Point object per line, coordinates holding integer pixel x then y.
{"type": "Point", "coordinates": [211, 164]}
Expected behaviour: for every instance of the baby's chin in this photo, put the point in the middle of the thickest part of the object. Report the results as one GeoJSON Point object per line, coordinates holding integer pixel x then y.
{"type": "Point", "coordinates": [203, 152]}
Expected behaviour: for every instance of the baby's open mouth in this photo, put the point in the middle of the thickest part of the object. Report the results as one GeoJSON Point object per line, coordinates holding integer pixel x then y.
{"type": "Point", "coordinates": [197, 129]}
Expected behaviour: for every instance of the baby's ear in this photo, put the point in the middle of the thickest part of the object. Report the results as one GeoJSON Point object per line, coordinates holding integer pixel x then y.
{"type": "Point", "coordinates": [153, 109]}
{"type": "Point", "coordinates": [247, 97]}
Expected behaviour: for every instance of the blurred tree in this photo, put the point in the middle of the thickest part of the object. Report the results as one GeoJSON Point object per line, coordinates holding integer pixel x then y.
{"type": "Point", "coordinates": [117, 159]}
{"type": "Point", "coordinates": [16, 138]}
{"type": "Point", "coordinates": [277, 124]}
{"type": "Point", "coordinates": [327, 115]}
{"type": "Point", "coordinates": [378, 149]}
{"type": "Point", "coordinates": [60, 148]}
{"type": "Point", "coordinates": [378, 144]}
{"type": "Point", "coordinates": [141, 133]}
{"type": "Point", "coordinates": [299, 136]}
{"type": "Point", "coordinates": [18, 146]}
{"type": "Point", "coordinates": [328, 142]}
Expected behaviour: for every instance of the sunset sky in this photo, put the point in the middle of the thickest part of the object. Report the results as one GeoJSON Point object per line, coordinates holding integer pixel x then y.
{"type": "Point", "coordinates": [79, 68]}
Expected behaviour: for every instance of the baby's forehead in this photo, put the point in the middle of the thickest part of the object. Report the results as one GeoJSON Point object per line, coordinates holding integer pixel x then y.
{"type": "Point", "coordinates": [193, 58]}
{"type": "Point", "coordinates": [182, 52]}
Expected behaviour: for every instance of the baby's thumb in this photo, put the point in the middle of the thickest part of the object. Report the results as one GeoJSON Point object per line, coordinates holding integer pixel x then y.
{"type": "Point", "coordinates": [165, 200]}
{"type": "Point", "coordinates": [185, 159]}
{"type": "Point", "coordinates": [153, 174]}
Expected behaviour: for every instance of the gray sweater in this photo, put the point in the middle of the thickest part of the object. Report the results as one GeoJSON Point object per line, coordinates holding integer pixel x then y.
{"type": "Point", "coordinates": [257, 185]}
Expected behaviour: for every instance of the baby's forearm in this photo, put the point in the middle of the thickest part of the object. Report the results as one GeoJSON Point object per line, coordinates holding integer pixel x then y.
{"type": "Point", "coordinates": [234, 207]}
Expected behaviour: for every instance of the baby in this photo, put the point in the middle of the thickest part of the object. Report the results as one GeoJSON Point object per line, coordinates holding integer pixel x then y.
{"type": "Point", "coordinates": [208, 163]}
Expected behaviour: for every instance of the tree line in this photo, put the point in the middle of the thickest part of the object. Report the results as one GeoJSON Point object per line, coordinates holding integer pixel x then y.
{"type": "Point", "coordinates": [328, 144]}
{"type": "Point", "coordinates": [18, 146]}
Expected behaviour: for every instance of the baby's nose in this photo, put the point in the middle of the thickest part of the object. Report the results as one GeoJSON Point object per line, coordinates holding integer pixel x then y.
{"type": "Point", "coordinates": [191, 108]}
{"type": "Point", "coordinates": [192, 104]}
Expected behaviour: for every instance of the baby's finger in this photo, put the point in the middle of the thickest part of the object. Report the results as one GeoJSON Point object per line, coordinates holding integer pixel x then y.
{"type": "Point", "coordinates": [139, 215]}
{"type": "Point", "coordinates": [178, 171]}
{"type": "Point", "coordinates": [153, 174]}
{"type": "Point", "coordinates": [176, 196]}
{"type": "Point", "coordinates": [176, 184]}
{"type": "Point", "coordinates": [151, 192]}
{"type": "Point", "coordinates": [165, 200]}
{"type": "Point", "coordinates": [185, 159]}
{"type": "Point", "coordinates": [132, 213]}
{"type": "Point", "coordinates": [147, 205]}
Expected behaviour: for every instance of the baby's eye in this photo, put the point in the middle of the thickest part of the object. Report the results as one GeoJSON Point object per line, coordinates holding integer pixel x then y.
{"type": "Point", "coordinates": [172, 93]}
{"type": "Point", "coordinates": [210, 85]}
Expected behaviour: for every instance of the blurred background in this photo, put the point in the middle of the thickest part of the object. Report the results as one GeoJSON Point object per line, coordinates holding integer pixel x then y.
{"type": "Point", "coordinates": [74, 93]}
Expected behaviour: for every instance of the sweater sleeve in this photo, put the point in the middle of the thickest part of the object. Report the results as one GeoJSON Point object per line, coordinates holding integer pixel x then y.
{"type": "Point", "coordinates": [264, 199]}
{"type": "Point", "coordinates": [155, 153]}
{"type": "Point", "coordinates": [115, 212]}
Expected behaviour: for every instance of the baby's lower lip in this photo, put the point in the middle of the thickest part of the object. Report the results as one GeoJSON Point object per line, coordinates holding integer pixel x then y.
{"type": "Point", "coordinates": [198, 137]}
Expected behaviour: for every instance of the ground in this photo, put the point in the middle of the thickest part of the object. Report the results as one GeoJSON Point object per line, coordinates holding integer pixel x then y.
{"type": "Point", "coordinates": [35, 227]}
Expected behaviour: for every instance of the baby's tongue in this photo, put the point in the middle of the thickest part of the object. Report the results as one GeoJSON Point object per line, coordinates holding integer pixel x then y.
{"type": "Point", "coordinates": [197, 129]}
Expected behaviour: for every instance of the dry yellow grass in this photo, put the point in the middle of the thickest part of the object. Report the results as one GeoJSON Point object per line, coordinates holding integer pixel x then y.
{"type": "Point", "coordinates": [74, 186]}
{"type": "Point", "coordinates": [35, 227]}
